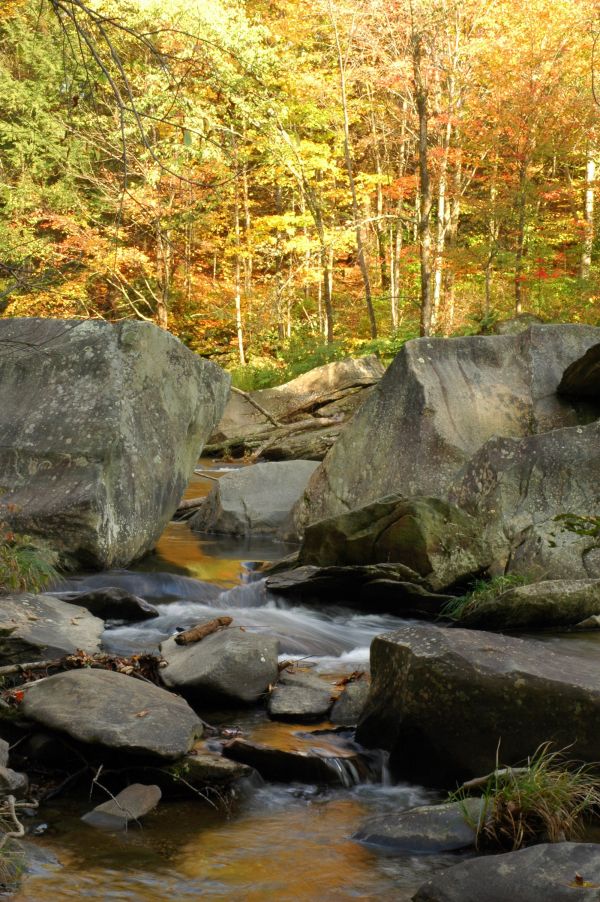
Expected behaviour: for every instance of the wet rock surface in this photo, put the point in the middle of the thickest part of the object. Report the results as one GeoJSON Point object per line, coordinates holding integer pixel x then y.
{"type": "Point", "coordinates": [102, 434]}
{"type": "Point", "coordinates": [39, 627]}
{"type": "Point", "coordinates": [133, 803]}
{"type": "Point", "coordinates": [226, 667]}
{"type": "Point", "coordinates": [545, 873]}
{"type": "Point", "coordinates": [442, 700]}
{"type": "Point", "coordinates": [428, 829]}
{"type": "Point", "coordinates": [115, 711]}
{"type": "Point", "coordinates": [111, 603]}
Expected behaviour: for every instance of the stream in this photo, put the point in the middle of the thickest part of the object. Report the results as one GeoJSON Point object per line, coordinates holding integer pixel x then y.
{"type": "Point", "coordinates": [274, 841]}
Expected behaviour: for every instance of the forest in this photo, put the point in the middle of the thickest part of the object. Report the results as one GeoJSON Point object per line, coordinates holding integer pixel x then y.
{"type": "Point", "coordinates": [283, 183]}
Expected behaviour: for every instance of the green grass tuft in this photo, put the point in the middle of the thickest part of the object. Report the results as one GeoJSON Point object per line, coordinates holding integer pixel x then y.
{"type": "Point", "coordinates": [482, 592]}
{"type": "Point", "coordinates": [546, 800]}
{"type": "Point", "coordinates": [25, 564]}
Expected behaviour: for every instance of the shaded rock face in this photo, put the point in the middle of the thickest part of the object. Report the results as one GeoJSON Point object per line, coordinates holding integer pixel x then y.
{"type": "Point", "coordinates": [350, 703]}
{"type": "Point", "coordinates": [109, 709]}
{"type": "Point", "coordinates": [102, 425]}
{"type": "Point", "coordinates": [442, 700]}
{"type": "Point", "coordinates": [39, 627]}
{"type": "Point", "coordinates": [544, 873]}
{"type": "Point", "coordinates": [516, 487]}
{"type": "Point", "coordinates": [547, 604]}
{"type": "Point", "coordinates": [581, 380]}
{"type": "Point", "coordinates": [437, 540]}
{"type": "Point", "coordinates": [112, 603]}
{"type": "Point", "coordinates": [228, 666]}
{"type": "Point", "coordinates": [334, 390]}
{"type": "Point", "coordinates": [300, 697]}
{"type": "Point", "coordinates": [255, 500]}
{"type": "Point", "coordinates": [129, 805]}
{"type": "Point", "coordinates": [439, 401]}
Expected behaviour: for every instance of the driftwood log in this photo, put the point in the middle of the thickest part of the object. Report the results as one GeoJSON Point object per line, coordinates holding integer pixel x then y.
{"type": "Point", "coordinates": [199, 632]}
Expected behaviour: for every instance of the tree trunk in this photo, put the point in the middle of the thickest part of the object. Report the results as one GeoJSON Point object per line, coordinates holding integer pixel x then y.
{"type": "Point", "coordinates": [360, 247]}
{"type": "Point", "coordinates": [588, 215]}
{"type": "Point", "coordinates": [520, 249]}
{"type": "Point", "coordinates": [424, 229]}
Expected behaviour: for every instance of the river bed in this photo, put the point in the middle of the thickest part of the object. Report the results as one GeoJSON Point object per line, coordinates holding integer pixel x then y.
{"type": "Point", "coordinates": [274, 841]}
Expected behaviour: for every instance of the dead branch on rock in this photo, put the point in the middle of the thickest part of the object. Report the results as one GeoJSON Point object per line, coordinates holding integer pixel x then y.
{"type": "Point", "coordinates": [9, 808]}
{"type": "Point", "coordinates": [201, 630]}
{"type": "Point", "coordinates": [144, 667]}
{"type": "Point", "coordinates": [259, 407]}
{"type": "Point", "coordinates": [300, 426]}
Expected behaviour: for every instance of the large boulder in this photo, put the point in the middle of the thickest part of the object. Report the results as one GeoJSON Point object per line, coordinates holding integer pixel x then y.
{"type": "Point", "coordinates": [439, 401]}
{"type": "Point", "coordinates": [449, 703]}
{"type": "Point", "coordinates": [558, 872]}
{"type": "Point", "coordinates": [550, 603]}
{"type": "Point", "coordinates": [102, 425]}
{"type": "Point", "coordinates": [118, 712]}
{"type": "Point", "coordinates": [254, 500]}
{"type": "Point", "coordinates": [437, 540]}
{"type": "Point", "coordinates": [581, 380]}
{"type": "Point", "coordinates": [518, 487]}
{"type": "Point", "coordinates": [334, 391]}
{"type": "Point", "coordinates": [38, 627]}
{"type": "Point", "coordinates": [230, 666]}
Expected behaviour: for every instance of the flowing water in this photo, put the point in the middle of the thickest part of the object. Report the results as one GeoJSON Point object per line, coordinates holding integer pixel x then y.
{"type": "Point", "coordinates": [284, 842]}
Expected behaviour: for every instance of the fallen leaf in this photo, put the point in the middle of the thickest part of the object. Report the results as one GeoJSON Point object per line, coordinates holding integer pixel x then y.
{"type": "Point", "coordinates": [142, 714]}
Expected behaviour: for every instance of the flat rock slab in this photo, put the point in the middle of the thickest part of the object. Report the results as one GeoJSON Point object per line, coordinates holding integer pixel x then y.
{"type": "Point", "coordinates": [39, 627]}
{"type": "Point", "coordinates": [102, 425]}
{"type": "Point", "coordinates": [118, 712]}
{"type": "Point", "coordinates": [227, 666]}
{"type": "Point", "coordinates": [129, 805]}
{"type": "Point", "coordinates": [349, 705]}
{"type": "Point", "coordinates": [112, 603]}
{"type": "Point", "coordinates": [321, 763]}
{"type": "Point", "coordinates": [255, 500]}
{"type": "Point", "coordinates": [545, 873]}
{"type": "Point", "coordinates": [551, 603]}
{"type": "Point", "coordinates": [425, 830]}
{"type": "Point", "coordinates": [300, 697]}
{"type": "Point", "coordinates": [443, 701]}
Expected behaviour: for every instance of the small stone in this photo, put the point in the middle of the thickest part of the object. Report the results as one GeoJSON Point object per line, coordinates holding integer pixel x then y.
{"type": "Point", "coordinates": [13, 783]}
{"type": "Point", "coordinates": [129, 805]}
{"type": "Point", "coordinates": [349, 704]}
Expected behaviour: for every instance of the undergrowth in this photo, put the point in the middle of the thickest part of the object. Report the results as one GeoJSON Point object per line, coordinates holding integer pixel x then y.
{"type": "Point", "coordinates": [25, 565]}
{"type": "Point", "coordinates": [546, 800]}
{"type": "Point", "coordinates": [482, 592]}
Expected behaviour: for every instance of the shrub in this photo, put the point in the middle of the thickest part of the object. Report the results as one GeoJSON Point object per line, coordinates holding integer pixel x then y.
{"type": "Point", "coordinates": [547, 800]}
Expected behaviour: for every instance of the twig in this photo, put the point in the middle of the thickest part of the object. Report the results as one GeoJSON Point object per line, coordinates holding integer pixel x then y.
{"type": "Point", "coordinates": [259, 407]}
{"type": "Point", "coordinates": [12, 834]}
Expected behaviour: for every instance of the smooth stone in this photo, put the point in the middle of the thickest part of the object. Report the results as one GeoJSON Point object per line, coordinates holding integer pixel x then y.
{"type": "Point", "coordinates": [300, 697]}
{"type": "Point", "coordinates": [102, 425]}
{"type": "Point", "coordinates": [205, 768]}
{"type": "Point", "coordinates": [348, 706]}
{"type": "Point", "coordinates": [111, 603]}
{"type": "Point", "coordinates": [115, 711]}
{"type": "Point", "coordinates": [425, 830]}
{"type": "Point", "coordinates": [544, 873]}
{"type": "Point", "coordinates": [129, 805]}
{"type": "Point", "coordinates": [448, 704]}
{"type": "Point", "coordinates": [39, 627]}
{"type": "Point", "coordinates": [4, 750]}
{"type": "Point", "coordinates": [253, 501]}
{"type": "Point", "coordinates": [229, 666]}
